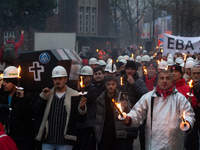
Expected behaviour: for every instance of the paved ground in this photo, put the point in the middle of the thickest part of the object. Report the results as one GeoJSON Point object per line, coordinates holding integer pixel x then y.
{"type": "Point", "coordinates": [136, 144]}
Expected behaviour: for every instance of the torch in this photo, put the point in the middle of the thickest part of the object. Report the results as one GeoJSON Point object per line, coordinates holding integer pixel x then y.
{"type": "Point", "coordinates": [184, 56]}
{"type": "Point", "coordinates": [158, 62]}
{"type": "Point", "coordinates": [122, 115]}
{"type": "Point", "coordinates": [184, 126]}
{"type": "Point", "coordinates": [144, 70]}
{"type": "Point", "coordinates": [132, 55]}
{"type": "Point", "coordinates": [19, 79]}
{"type": "Point", "coordinates": [121, 79]}
{"type": "Point", "coordinates": [82, 87]}
{"type": "Point", "coordinates": [191, 86]}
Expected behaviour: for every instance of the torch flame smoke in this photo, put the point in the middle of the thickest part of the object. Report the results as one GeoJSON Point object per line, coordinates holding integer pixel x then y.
{"type": "Point", "coordinates": [190, 83]}
{"type": "Point", "coordinates": [19, 70]}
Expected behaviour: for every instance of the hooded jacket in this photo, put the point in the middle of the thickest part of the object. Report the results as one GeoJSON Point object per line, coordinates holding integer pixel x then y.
{"type": "Point", "coordinates": [183, 88]}
{"type": "Point", "coordinates": [74, 113]}
{"type": "Point", "coordinates": [99, 119]}
{"type": "Point", "coordinates": [165, 132]}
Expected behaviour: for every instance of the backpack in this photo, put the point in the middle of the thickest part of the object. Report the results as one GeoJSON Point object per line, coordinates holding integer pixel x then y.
{"type": "Point", "coordinates": [9, 56]}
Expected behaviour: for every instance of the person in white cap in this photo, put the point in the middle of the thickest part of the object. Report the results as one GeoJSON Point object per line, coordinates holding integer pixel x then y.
{"type": "Point", "coordinates": [188, 66]}
{"type": "Point", "coordinates": [20, 114]}
{"type": "Point", "coordinates": [170, 63]}
{"type": "Point", "coordinates": [93, 63]}
{"type": "Point", "coordinates": [138, 62]}
{"type": "Point", "coordinates": [102, 64]}
{"type": "Point", "coordinates": [85, 130]}
{"type": "Point", "coordinates": [110, 69]}
{"type": "Point", "coordinates": [126, 57]}
{"type": "Point", "coordinates": [63, 109]}
{"type": "Point", "coordinates": [163, 65]}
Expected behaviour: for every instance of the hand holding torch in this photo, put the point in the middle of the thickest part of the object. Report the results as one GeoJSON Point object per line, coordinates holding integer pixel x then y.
{"type": "Point", "coordinates": [184, 126]}
{"type": "Point", "coordinates": [191, 86]}
{"type": "Point", "coordinates": [122, 115]}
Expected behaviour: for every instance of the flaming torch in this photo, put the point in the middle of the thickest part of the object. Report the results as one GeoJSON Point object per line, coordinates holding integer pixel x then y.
{"type": "Point", "coordinates": [144, 70]}
{"type": "Point", "coordinates": [19, 79]}
{"type": "Point", "coordinates": [158, 61]}
{"type": "Point", "coordinates": [122, 115]}
{"type": "Point", "coordinates": [191, 86]}
{"type": "Point", "coordinates": [184, 126]}
{"type": "Point", "coordinates": [184, 56]}
{"type": "Point", "coordinates": [132, 55]}
{"type": "Point", "coordinates": [82, 87]}
{"type": "Point", "coordinates": [121, 82]}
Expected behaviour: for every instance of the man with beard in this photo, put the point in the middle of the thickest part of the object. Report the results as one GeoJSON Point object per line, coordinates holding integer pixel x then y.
{"type": "Point", "coordinates": [63, 109]}
{"type": "Point", "coordinates": [151, 78]}
{"type": "Point", "coordinates": [98, 80]}
{"type": "Point", "coordinates": [162, 109]}
{"type": "Point", "coordinates": [135, 89]}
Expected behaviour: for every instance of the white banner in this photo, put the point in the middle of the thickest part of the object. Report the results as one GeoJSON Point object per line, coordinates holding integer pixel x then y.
{"type": "Point", "coordinates": [172, 43]}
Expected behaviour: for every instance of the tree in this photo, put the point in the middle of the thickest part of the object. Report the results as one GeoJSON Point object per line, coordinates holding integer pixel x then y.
{"type": "Point", "coordinates": [26, 14]}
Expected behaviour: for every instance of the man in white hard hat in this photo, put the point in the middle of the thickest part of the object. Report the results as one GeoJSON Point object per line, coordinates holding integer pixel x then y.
{"type": "Point", "coordinates": [85, 130]}
{"type": "Point", "coordinates": [63, 109]}
{"type": "Point", "coordinates": [20, 115]}
{"type": "Point", "coordinates": [170, 63]}
{"type": "Point", "coordinates": [93, 63]}
{"type": "Point", "coordinates": [163, 65]}
{"type": "Point", "coordinates": [102, 64]}
{"type": "Point", "coordinates": [188, 65]}
{"type": "Point", "coordinates": [110, 69]}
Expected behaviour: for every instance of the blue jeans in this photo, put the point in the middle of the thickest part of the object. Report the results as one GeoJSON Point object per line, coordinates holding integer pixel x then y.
{"type": "Point", "coordinates": [56, 147]}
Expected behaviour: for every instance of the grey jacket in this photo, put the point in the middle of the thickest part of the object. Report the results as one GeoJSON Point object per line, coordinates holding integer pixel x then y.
{"type": "Point", "coordinates": [100, 117]}
{"type": "Point", "coordinates": [165, 132]}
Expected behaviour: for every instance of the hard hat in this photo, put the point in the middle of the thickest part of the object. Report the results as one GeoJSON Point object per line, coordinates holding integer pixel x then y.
{"type": "Point", "coordinates": [59, 71]}
{"type": "Point", "coordinates": [109, 67]}
{"type": "Point", "coordinates": [190, 59]}
{"type": "Point", "coordinates": [87, 71]}
{"type": "Point", "coordinates": [144, 51]}
{"type": "Point", "coordinates": [189, 64]}
{"type": "Point", "coordinates": [151, 57]}
{"type": "Point", "coordinates": [163, 65]}
{"type": "Point", "coordinates": [10, 72]}
{"type": "Point", "coordinates": [126, 57]}
{"type": "Point", "coordinates": [131, 59]}
{"type": "Point", "coordinates": [170, 62]}
{"type": "Point", "coordinates": [179, 60]}
{"type": "Point", "coordinates": [123, 61]}
{"type": "Point", "coordinates": [93, 61]}
{"type": "Point", "coordinates": [102, 63]}
{"type": "Point", "coordinates": [145, 58]}
{"type": "Point", "coordinates": [120, 57]}
{"type": "Point", "coordinates": [138, 58]}
{"type": "Point", "coordinates": [109, 60]}
{"type": "Point", "coordinates": [177, 51]}
{"type": "Point", "coordinates": [170, 56]}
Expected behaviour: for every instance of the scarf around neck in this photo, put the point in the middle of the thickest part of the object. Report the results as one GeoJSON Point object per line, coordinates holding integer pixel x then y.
{"type": "Point", "coordinates": [149, 82]}
{"type": "Point", "coordinates": [164, 93]}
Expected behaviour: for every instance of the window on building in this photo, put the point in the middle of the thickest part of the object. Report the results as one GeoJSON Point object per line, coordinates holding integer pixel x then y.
{"type": "Point", "coordinates": [56, 9]}
{"type": "Point", "coordinates": [93, 18]}
{"type": "Point", "coordinates": [7, 34]}
{"type": "Point", "coordinates": [87, 19]}
{"type": "Point", "coordinates": [81, 10]}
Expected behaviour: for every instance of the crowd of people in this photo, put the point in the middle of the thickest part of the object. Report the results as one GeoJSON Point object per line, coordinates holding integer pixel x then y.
{"type": "Point", "coordinates": [153, 90]}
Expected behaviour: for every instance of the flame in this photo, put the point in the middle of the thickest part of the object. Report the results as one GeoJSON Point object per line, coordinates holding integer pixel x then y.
{"type": "Point", "coordinates": [132, 55]}
{"type": "Point", "coordinates": [19, 70]}
{"type": "Point", "coordinates": [155, 54]}
{"type": "Point", "coordinates": [97, 50]}
{"type": "Point", "coordinates": [190, 83]}
{"type": "Point", "coordinates": [161, 50]}
{"type": "Point", "coordinates": [117, 60]}
{"type": "Point", "coordinates": [121, 80]}
{"type": "Point", "coordinates": [81, 83]}
{"type": "Point", "coordinates": [161, 59]}
{"type": "Point", "coordinates": [145, 70]}
{"type": "Point", "coordinates": [184, 56]}
{"type": "Point", "coordinates": [183, 117]}
{"type": "Point", "coordinates": [119, 106]}
{"type": "Point", "coordinates": [158, 61]}
{"type": "Point", "coordinates": [1, 76]}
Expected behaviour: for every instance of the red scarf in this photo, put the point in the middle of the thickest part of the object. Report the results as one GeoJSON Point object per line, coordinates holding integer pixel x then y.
{"type": "Point", "coordinates": [149, 83]}
{"type": "Point", "coordinates": [165, 93]}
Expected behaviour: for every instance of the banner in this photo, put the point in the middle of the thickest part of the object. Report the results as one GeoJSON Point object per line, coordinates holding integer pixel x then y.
{"type": "Point", "coordinates": [172, 43]}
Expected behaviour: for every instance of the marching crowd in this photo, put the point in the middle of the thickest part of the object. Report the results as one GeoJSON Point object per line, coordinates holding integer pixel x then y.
{"type": "Point", "coordinates": [156, 103]}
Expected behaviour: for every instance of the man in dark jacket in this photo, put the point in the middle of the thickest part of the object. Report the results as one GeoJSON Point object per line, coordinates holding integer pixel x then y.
{"type": "Point", "coordinates": [109, 131]}
{"type": "Point", "coordinates": [98, 80]}
{"type": "Point", "coordinates": [135, 89]}
{"type": "Point", "coordinates": [63, 110]}
{"type": "Point", "coordinates": [20, 126]}
{"type": "Point", "coordinates": [86, 139]}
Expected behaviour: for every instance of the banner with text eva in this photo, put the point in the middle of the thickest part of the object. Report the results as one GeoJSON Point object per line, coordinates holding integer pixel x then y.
{"type": "Point", "coordinates": [172, 43]}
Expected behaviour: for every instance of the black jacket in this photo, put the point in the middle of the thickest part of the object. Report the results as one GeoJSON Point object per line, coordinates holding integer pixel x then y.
{"type": "Point", "coordinates": [101, 87]}
{"type": "Point", "coordinates": [20, 115]}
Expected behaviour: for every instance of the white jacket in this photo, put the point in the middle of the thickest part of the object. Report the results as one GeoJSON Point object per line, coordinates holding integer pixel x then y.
{"type": "Point", "coordinates": [165, 133]}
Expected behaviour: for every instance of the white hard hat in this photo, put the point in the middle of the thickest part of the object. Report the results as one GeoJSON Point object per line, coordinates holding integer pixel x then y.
{"type": "Point", "coordinates": [59, 71]}
{"type": "Point", "coordinates": [10, 72]}
{"type": "Point", "coordinates": [189, 64]}
{"type": "Point", "coordinates": [120, 57]}
{"type": "Point", "coordinates": [170, 56]}
{"type": "Point", "coordinates": [87, 71]}
{"type": "Point", "coordinates": [163, 65]}
{"type": "Point", "coordinates": [102, 62]}
{"type": "Point", "coordinates": [109, 67]}
{"type": "Point", "coordinates": [190, 59]}
{"type": "Point", "coordinates": [144, 51]}
{"type": "Point", "coordinates": [170, 62]}
{"type": "Point", "coordinates": [109, 60]}
{"type": "Point", "coordinates": [151, 57]}
{"type": "Point", "coordinates": [179, 60]}
{"type": "Point", "coordinates": [123, 61]}
{"type": "Point", "coordinates": [177, 51]}
{"type": "Point", "coordinates": [138, 58]}
{"type": "Point", "coordinates": [145, 58]}
{"type": "Point", "coordinates": [93, 61]}
{"type": "Point", "coordinates": [126, 57]}
{"type": "Point", "coordinates": [131, 59]}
